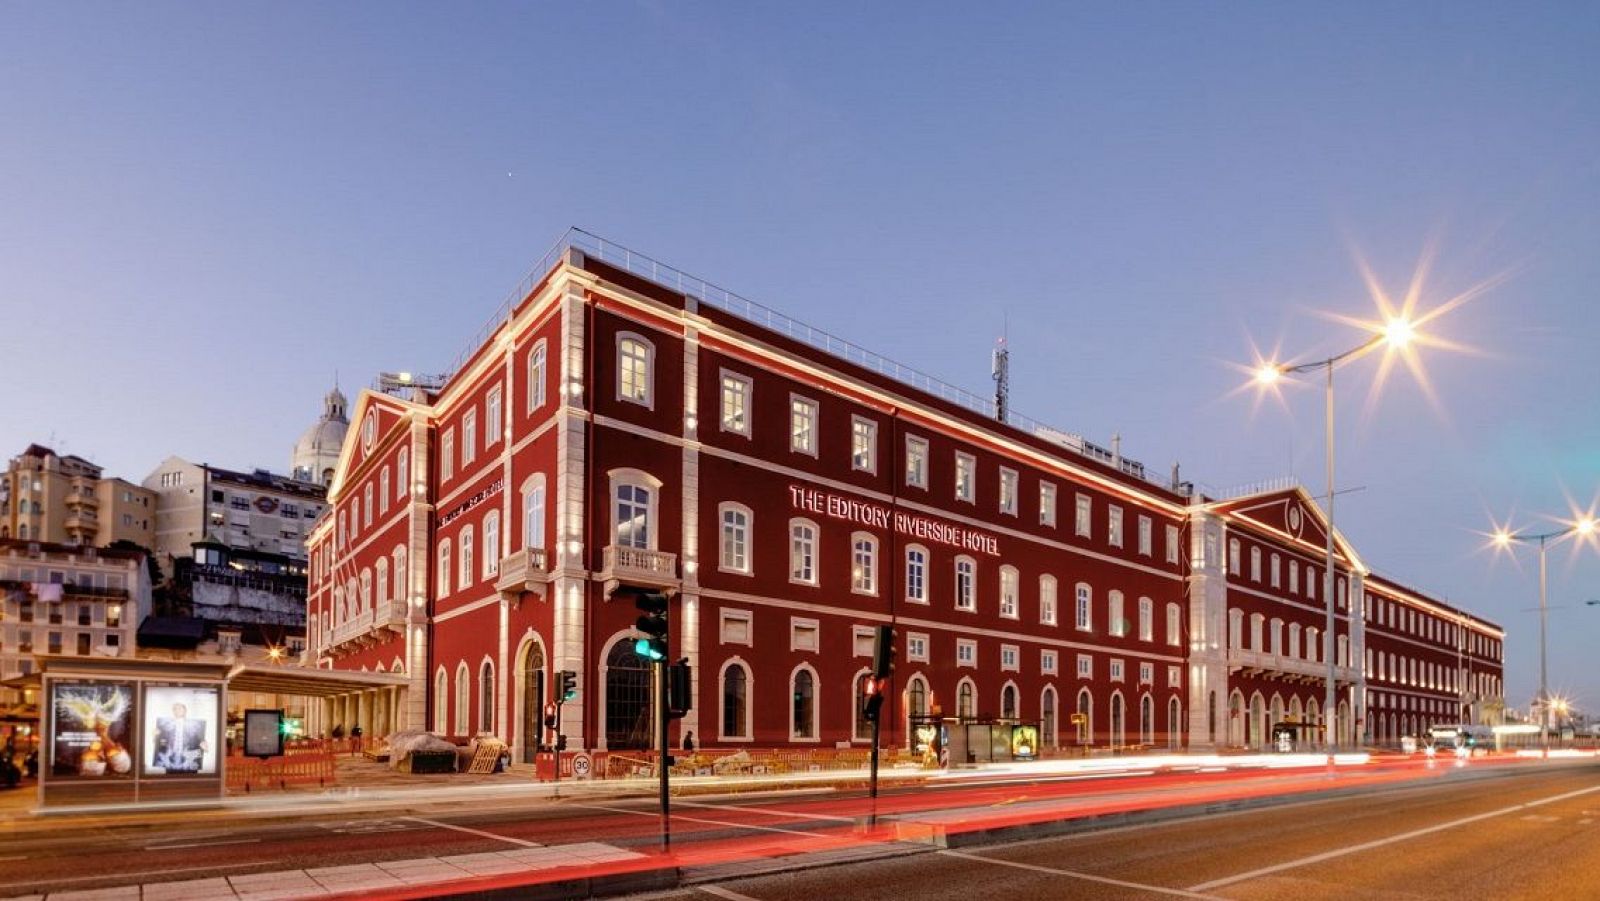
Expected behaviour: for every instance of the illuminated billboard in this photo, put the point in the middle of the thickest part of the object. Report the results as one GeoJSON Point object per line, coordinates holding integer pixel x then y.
{"type": "Point", "coordinates": [91, 731]}
{"type": "Point", "coordinates": [180, 730]}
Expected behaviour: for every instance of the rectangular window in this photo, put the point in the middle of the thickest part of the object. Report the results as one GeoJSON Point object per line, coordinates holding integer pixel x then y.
{"type": "Point", "coordinates": [1085, 666]}
{"type": "Point", "coordinates": [862, 638]}
{"type": "Point", "coordinates": [447, 454]}
{"type": "Point", "coordinates": [916, 647]}
{"type": "Point", "coordinates": [1008, 592]}
{"type": "Point", "coordinates": [1047, 504]}
{"type": "Point", "coordinates": [736, 394]}
{"type": "Point", "coordinates": [916, 461]}
{"type": "Point", "coordinates": [536, 377]}
{"type": "Point", "coordinates": [1115, 624]}
{"type": "Point", "coordinates": [1147, 620]}
{"type": "Point", "coordinates": [966, 575]}
{"type": "Point", "coordinates": [917, 575]}
{"type": "Point", "coordinates": [1048, 662]}
{"type": "Point", "coordinates": [735, 539]}
{"type": "Point", "coordinates": [634, 361]}
{"type": "Point", "coordinates": [802, 425]}
{"type": "Point", "coordinates": [1294, 577]}
{"type": "Point", "coordinates": [1277, 571]}
{"type": "Point", "coordinates": [1008, 491]}
{"type": "Point", "coordinates": [492, 424]}
{"type": "Point", "coordinates": [1085, 618]}
{"type": "Point", "coordinates": [1174, 625]}
{"type": "Point", "coordinates": [1114, 526]}
{"type": "Point", "coordinates": [469, 437]}
{"type": "Point", "coordinates": [803, 553]}
{"type": "Point", "coordinates": [1047, 600]}
{"type": "Point", "coordinates": [1008, 657]}
{"type": "Point", "coordinates": [1146, 537]}
{"type": "Point", "coordinates": [803, 635]}
{"type": "Point", "coordinates": [736, 627]}
{"type": "Point", "coordinates": [1172, 544]}
{"type": "Point", "coordinates": [1174, 677]}
{"type": "Point", "coordinates": [1116, 671]}
{"type": "Point", "coordinates": [864, 565]}
{"type": "Point", "coordinates": [966, 476]}
{"type": "Point", "coordinates": [863, 444]}
{"type": "Point", "coordinates": [1255, 564]}
{"type": "Point", "coordinates": [383, 493]}
{"type": "Point", "coordinates": [966, 652]}
{"type": "Point", "coordinates": [1081, 520]}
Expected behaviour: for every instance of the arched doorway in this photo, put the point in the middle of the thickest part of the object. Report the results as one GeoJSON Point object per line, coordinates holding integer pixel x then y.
{"type": "Point", "coordinates": [916, 706]}
{"type": "Point", "coordinates": [1174, 723]}
{"type": "Point", "coordinates": [1258, 721]}
{"type": "Point", "coordinates": [531, 692]}
{"type": "Point", "coordinates": [1047, 717]}
{"type": "Point", "coordinates": [628, 708]}
{"type": "Point", "coordinates": [1118, 729]}
{"type": "Point", "coordinates": [1236, 720]}
{"type": "Point", "coordinates": [1085, 718]}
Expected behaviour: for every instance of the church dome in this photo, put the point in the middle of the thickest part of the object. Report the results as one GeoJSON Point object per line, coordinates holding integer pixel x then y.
{"type": "Point", "coordinates": [316, 454]}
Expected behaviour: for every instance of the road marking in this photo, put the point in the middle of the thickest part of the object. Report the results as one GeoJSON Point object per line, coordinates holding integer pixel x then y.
{"type": "Point", "coordinates": [229, 841]}
{"type": "Point", "coordinates": [1073, 874]}
{"type": "Point", "coordinates": [479, 832]}
{"type": "Point", "coordinates": [768, 811]}
{"type": "Point", "coordinates": [15, 857]}
{"type": "Point", "coordinates": [1582, 822]}
{"type": "Point", "coordinates": [727, 894]}
{"type": "Point", "coordinates": [677, 816]}
{"type": "Point", "coordinates": [1540, 818]}
{"type": "Point", "coordinates": [1379, 843]}
{"type": "Point", "coordinates": [364, 827]}
{"type": "Point", "coordinates": [166, 872]}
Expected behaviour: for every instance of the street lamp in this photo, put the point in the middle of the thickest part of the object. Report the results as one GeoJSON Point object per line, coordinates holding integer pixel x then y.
{"type": "Point", "coordinates": [1396, 334]}
{"type": "Point", "coordinates": [1503, 538]}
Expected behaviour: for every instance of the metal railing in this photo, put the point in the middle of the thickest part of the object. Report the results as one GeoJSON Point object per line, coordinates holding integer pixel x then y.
{"type": "Point", "coordinates": [619, 557]}
{"type": "Point", "coordinates": [670, 277]}
{"type": "Point", "coordinates": [1281, 483]}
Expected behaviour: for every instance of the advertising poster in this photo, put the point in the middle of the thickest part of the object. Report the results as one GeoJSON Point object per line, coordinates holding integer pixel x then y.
{"type": "Point", "coordinates": [263, 733]}
{"type": "Point", "coordinates": [92, 730]}
{"type": "Point", "coordinates": [1024, 742]}
{"type": "Point", "coordinates": [180, 730]}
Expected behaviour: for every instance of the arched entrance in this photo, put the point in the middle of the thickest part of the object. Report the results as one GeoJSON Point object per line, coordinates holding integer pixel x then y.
{"type": "Point", "coordinates": [628, 709]}
{"type": "Point", "coordinates": [531, 698]}
{"type": "Point", "coordinates": [1236, 720]}
{"type": "Point", "coordinates": [916, 707]}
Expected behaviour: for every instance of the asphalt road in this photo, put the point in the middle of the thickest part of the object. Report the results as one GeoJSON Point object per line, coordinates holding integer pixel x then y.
{"type": "Point", "coordinates": [1534, 834]}
{"type": "Point", "coordinates": [1544, 851]}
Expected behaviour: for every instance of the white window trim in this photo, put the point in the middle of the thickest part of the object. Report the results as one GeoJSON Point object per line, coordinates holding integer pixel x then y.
{"type": "Point", "coordinates": [816, 706]}
{"type": "Point", "coordinates": [1016, 658]}
{"type": "Point", "coordinates": [871, 590]}
{"type": "Point", "coordinates": [1083, 623]}
{"type": "Point", "coordinates": [641, 479]}
{"type": "Point", "coordinates": [749, 543]}
{"type": "Point", "coordinates": [749, 699]}
{"type": "Point", "coordinates": [469, 437]}
{"type": "Point", "coordinates": [1055, 600]}
{"type": "Point", "coordinates": [1016, 593]}
{"type": "Point", "coordinates": [649, 400]}
{"type": "Point", "coordinates": [968, 463]}
{"type": "Point", "coordinates": [537, 390]}
{"type": "Point", "coordinates": [872, 446]}
{"type": "Point", "coordinates": [857, 633]}
{"type": "Point", "coordinates": [927, 569]}
{"type": "Point", "coordinates": [1048, 512]}
{"type": "Point", "coordinates": [815, 418]}
{"type": "Point", "coordinates": [1010, 505]}
{"type": "Point", "coordinates": [973, 582]}
{"type": "Point", "coordinates": [816, 544]}
{"type": "Point", "coordinates": [913, 657]}
{"type": "Point", "coordinates": [1115, 524]}
{"type": "Point", "coordinates": [798, 623]}
{"type": "Point", "coordinates": [1049, 662]}
{"type": "Point", "coordinates": [726, 616]}
{"type": "Point", "coordinates": [1147, 536]}
{"type": "Point", "coordinates": [962, 643]}
{"type": "Point", "coordinates": [749, 397]}
{"type": "Point", "coordinates": [1117, 670]}
{"type": "Point", "coordinates": [921, 473]}
{"type": "Point", "coordinates": [1083, 526]}
{"type": "Point", "coordinates": [491, 434]}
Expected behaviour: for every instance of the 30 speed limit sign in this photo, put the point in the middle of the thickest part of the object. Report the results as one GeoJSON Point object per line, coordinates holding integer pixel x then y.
{"type": "Point", "coordinates": [582, 765]}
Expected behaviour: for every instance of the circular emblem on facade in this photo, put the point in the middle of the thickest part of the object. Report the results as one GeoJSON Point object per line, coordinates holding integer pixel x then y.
{"type": "Point", "coordinates": [266, 504]}
{"type": "Point", "coordinates": [1294, 519]}
{"type": "Point", "coordinates": [369, 431]}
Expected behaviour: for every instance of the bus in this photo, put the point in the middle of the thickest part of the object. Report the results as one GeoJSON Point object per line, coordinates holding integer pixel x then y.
{"type": "Point", "coordinates": [1461, 739]}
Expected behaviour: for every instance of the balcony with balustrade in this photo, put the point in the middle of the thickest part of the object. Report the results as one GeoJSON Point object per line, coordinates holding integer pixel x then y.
{"type": "Point", "coordinates": [390, 616]}
{"type": "Point", "coordinates": [524, 571]}
{"type": "Point", "coordinates": [639, 568]}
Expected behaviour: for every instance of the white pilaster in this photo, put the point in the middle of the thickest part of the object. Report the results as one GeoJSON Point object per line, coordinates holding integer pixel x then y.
{"type": "Point", "coordinates": [569, 570]}
{"type": "Point", "coordinates": [689, 598]}
{"type": "Point", "coordinates": [1208, 633]}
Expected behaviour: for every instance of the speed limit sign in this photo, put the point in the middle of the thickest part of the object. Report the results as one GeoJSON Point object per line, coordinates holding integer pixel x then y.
{"type": "Point", "coordinates": [582, 765]}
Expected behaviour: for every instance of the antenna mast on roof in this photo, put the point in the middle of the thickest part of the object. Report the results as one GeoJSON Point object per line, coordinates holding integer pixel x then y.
{"type": "Point", "coordinates": [1001, 370]}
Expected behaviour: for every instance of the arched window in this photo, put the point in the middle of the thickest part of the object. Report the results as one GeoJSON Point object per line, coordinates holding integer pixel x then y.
{"type": "Point", "coordinates": [633, 508]}
{"type": "Point", "coordinates": [383, 490]}
{"type": "Point", "coordinates": [533, 512]}
{"type": "Point", "coordinates": [1047, 717]}
{"type": "Point", "coordinates": [468, 551]}
{"type": "Point", "coordinates": [491, 544]}
{"type": "Point", "coordinates": [402, 468]}
{"type": "Point", "coordinates": [486, 705]}
{"type": "Point", "coordinates": [1116, 623]}
{"type": "Point", "coordinates": [966, 583]}
{"type": "Point", "coordinates": [965, 702]}
{"type": "Point", "coordinates": [917, 574]}
{"type": "Point", "coordinates": [463, 705]}
{"type": "Point", "coordinates": [635, 369]}
{"type": "Point", "coordinates": [441, 702]}
{"type": "Point", "coordinates": [1118, 724]}
{"type": "Point", "coordinates": [803, 551]}
{"type": "Point", "coordinates": [1147, 619]}
{"type": "Point", "coordinates": [735, 547]}
{"type": "Point", "coordinates": [1047, 600]}
{"type": "Point", "coordinates": [1174, 624]}
{"type": "Point", "coordinates": [402, 576]}
{"type": "Point", "coordinates": [380, 583]}
{"type": "Point", "coordinates": [1174, 723]}
{"type": "Point", "coordinates": [1008, 702]}
{"type": "Point", "coordinates": [803, 704]}
{"type": "Point", "coordinates": [863, 563]}
{"type": "Point", "coordinates": [863, 690]}
{"type": "Point", "coordinates": [1233, 556]}
{"type": "Point", "coordinates": [1085, 614]}
{"type": "Point", "coordinates": [1008, 591]}
{"type": "Point", "coordinates": [1147, 720]}
{"type": "Point", "coordinates": [536, 376]}
{"type": "Point", "coordinates": [735, 702]}
{"type": "Point", "coordinates": [444, 568]}
{"type": "Point", "coordinates": [1085, 713]}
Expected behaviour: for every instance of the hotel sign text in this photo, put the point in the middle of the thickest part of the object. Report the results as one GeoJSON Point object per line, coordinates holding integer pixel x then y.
{"type": "Point", "coordinates": [473, 501]}
{"type": "Point", "coordinates": [836, 506]}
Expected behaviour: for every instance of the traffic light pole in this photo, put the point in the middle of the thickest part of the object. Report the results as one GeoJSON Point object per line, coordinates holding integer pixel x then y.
{"type": "Point", "coordinates": [555, 751]}
{"type": "Point", "coordinates": [661, 737]}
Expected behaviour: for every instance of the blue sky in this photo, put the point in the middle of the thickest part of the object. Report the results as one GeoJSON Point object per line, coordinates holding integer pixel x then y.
{"type": "Point", "coordinates": [205, 212]}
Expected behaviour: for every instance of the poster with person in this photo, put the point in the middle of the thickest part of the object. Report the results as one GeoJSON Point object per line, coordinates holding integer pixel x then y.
{"type": "Point", "coordinates": [91, 729]}
{"type": "Point", "coordinates": [180, 730]}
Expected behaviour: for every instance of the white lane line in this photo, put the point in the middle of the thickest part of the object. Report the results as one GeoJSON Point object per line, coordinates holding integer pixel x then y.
{"type": "Point", "coordinates": [1073, 874]}
{"type": "Point", "coordinates": [478, 832]}
{"type": "Point", "coordinates": [724, 893]}
{"type": "Point", "coordinates": [1390, 840]}
{"type": "Point", "coordinates": [768, 811]}
{"type": "Point", "coordinates": [165, 872]}
{"type": "Point", "coordinates": [230, 841]}
{"type": "Point", "coordinates": [15, 857]}
{"type": "Point", "coordinates": [680, 817]}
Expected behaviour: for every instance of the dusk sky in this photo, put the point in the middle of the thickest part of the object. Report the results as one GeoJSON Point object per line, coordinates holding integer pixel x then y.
{"type": "Point", "coordinates": [206, 211]}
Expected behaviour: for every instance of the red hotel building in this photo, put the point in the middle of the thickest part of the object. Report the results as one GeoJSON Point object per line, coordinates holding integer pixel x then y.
{"type": "Point", "coordinates": [622, 427]}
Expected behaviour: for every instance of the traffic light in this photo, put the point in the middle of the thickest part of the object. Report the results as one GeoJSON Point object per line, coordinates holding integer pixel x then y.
{"type": "Point", "coordinates": [653, 624]}
{"type": "Point", "coordinates": [549, 721]}
{"type": "Point", "coordinates": [569, 684]}
{"type": "Point", "coordinates": [561, 742]}
{"type": "Point", "coordinates": [680, 694]}
{"type": "Point", "coordinates": [883, 653]}
{"type": "Point", "coordinates": [874, 700]}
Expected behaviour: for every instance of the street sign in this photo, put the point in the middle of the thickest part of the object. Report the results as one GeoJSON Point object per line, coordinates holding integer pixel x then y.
{"type": "Point", "coordinates": [582, 765]}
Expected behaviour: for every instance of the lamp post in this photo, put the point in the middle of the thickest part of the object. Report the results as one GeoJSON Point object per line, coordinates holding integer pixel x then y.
{"type": "Point", "coordinates": [1396, 333]}
{"type": "Point", "coordinates": [1503, 538]}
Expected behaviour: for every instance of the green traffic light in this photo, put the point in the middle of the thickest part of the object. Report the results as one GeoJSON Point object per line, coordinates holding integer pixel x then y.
{"type": "Point", "coordinates": [645, 647]}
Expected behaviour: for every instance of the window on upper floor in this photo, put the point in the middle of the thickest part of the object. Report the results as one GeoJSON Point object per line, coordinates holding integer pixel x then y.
{"type": "Point", "coordinates": [735, 555]}
{"type": "Point", "coordinates": [444, 571]}
{"type": "Point", "coordinates": [493, 423]}
{"type": "Point", "coordinates": [863, 563]}
{"type": "Point", "coordinates": [1047, 600]}
{"type": "Point", "coordinates": [1172, 544]}
{"type": "Point", "coordinates": [1147, 619]}
{"type": "Point", "coordinates": [916, 461]}
{"type": "Point", "coordinates": [802, 425]}
{"type": "Point", "coordinates": [1233, 556]}
{"type": "Point", "coordinates": [1082, 522]}
{"type": "Point", "coordinates": [1277, 571]}
{"type": "Point", "coordinates": [1255, 564]}
{"type": "Point", "coordinates": [468, 556]}
{"type": "Point", "coordinates": [469, 437]}
{"type": "Point", "coordinates": [634, 514]}
{"type": "Point", "coordinates": [1008, 491]}
{"type": "Point", "coordinates": [1085, 666]}
{"type": "Point", "coordinates": [1047, 504]}
{"type": "Point", "coordinates": [1114, 526]}
{"type": "Point", "coordinates": [536, 376]}
{"type": "Point", "coordinates": [491, 544]}
{"type": "Point", "coordinates": [635, 369]}
{"type": "Point", "coordinates": [402, 474]}
{"type": "Point", "coordinates": [1084, 621]}
{"type": "Point", "coordinates": [533, 511]}
{"type": "Point", "coordinates": [966, 476]}
{"type": "Point", "coordinates": [803, 551]}
{"type": "Point", "coordinates": [737, 396]}
{"type": "Point", "coordinates": [863, 444]}
{"type": "Point", "coordinates": [383, 490]}
{"type": "Point", "coordinates": [1009, 587]}
{"type": "Point", "coordinates": [1146, 536]}
{"type": "Point", "coordinates": [1174, 624]}
{"type": "Point", "coordinates": [917, 574]}
{"type": "Point", "coordinates": [1116, 621]}
{"type": "Point", "coordinates": [966, 652]}
{"type": "Point", "coordinates": [966, 584]}
{"type": "Point", "coordinates": [447, 454]}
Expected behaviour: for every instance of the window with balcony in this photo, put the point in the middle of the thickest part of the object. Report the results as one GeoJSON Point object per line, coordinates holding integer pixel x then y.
{"type": "Point", "coordinates": [633, 515]}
